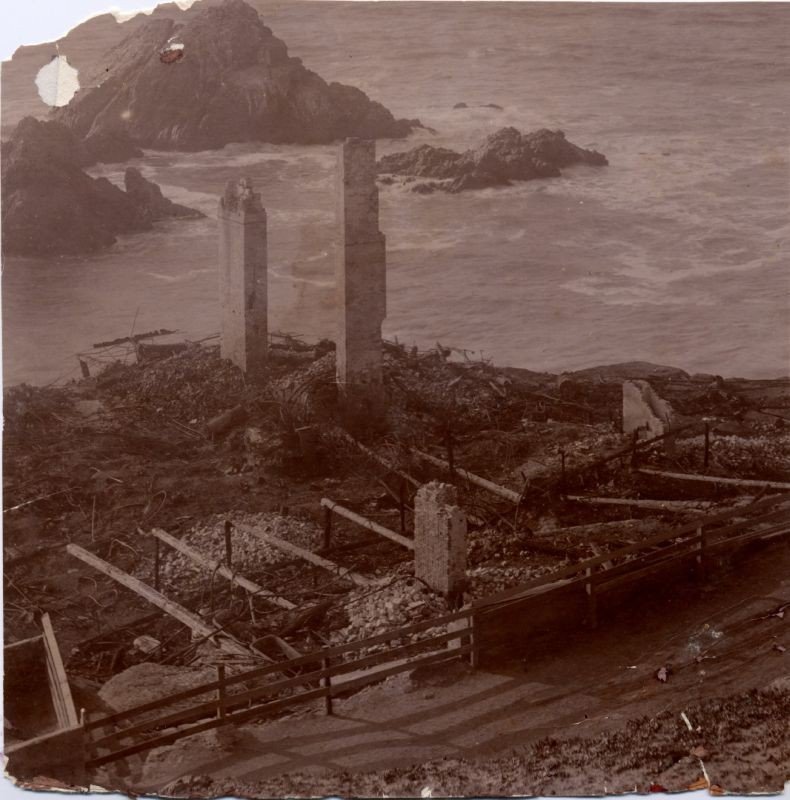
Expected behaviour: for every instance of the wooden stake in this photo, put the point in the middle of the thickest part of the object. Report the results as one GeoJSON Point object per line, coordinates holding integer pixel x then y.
{"type": "Point", "coordinates": [701, 565]}
{"type": "Point", "coordinates": [228, 544]}
{"type": "Point", "coordinates": [221, 691]}
{"type": "Point", "coordinates": [592, 600]}
{"type": "Point", "coordinates": [327, 684]}
{"type": "Point", "coordinates": [402, 505]}
{"type": "Point", "coordinates": [706, 458]}
{"type": "Point", "coordinates": [327, 528]}
{"type": "Point", "coordinates": [450, 454]}
{"type": "Point", "coordinates": [156, 564]}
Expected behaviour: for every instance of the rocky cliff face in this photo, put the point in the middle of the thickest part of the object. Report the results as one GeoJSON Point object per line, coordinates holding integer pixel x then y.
{"type": "Point", "coordinates": [504, 156]}
{"type": "Point", "coordinates": [51, 207]}
{"type": "Point", "coordinates": [234, 82]}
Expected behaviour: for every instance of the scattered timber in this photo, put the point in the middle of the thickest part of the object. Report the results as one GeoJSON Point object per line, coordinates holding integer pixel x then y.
{"type": "Point", "coordinates": [222, 569]}
{"type": "Point", "coordinates": [494, 488]}
{"type": "Point", "coordinates": [368, 524]}
{"type": "Point", "coordinates": [672, 506]}
{"type": "Point", "coordinates": [307, 555]}
{"type": "Point", "coordinates": [684, 476]}
{"type": "Point", "coordinates": [183, 615]}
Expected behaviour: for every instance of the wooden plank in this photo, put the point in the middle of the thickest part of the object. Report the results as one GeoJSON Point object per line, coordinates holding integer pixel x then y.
{"type": "Point", "coordinates": [69, 716]}
{"type": "Point", "coordinates": [670, 506]}
{"type": "Point", "coordinates": [279, 666]}
{"type": "Point", "coordinates": [684, 476]}
{"type": "Point", "coordinates": [183, 615]}
{"type": "Point", "coordinates": [277, 705]}
{"type": "Point", "coordinates": [307, 555]}
{"type": "Point", "coordinates": [222, 569]}
{"type": "Point", "coordinates": [372, 454]}
{"type": "Point", "coordinates": [242, 698]}
{"type": "Point", "coordinates": [368, 524]}
{"type": "Point", "coordinates": [483, 483]}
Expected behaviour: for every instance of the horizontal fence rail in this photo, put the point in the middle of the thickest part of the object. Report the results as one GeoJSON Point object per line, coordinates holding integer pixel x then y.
{"type": "Point", "coordinates": [314, 673]}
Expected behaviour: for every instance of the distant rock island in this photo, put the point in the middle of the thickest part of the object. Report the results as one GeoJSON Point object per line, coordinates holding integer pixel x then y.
{"type": "Point", "coordinates": [52, 207]}
{"type": "Point", "coordinates": [504, 156]}
{"type": "Point", "coordinates": [221, 76]}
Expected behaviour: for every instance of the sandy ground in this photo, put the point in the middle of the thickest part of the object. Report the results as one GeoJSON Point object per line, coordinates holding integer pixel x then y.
{"type": "Point", "coordinates": [578, 713]}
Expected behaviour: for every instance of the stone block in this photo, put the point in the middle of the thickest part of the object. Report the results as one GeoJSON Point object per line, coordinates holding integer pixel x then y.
{"type": "Point", "coordinates": [644, 410]}
{"type": "Point", "coordinates": [439, 538]}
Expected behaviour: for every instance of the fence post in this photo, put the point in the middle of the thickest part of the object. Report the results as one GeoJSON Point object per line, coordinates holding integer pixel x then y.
{"type": "Point", "coordinates": [228, 545]}
{"type": "Point", "coordinates": [448, 438]}
{"type": "Point", "coordinates": [562, 473]}
{"type": "Point", "coordinates": [156, 564]}
{"type": "Point", "coordinates": [221, 691]}
{"type": "Point", "coordinates": [474, 656]}
{"type": "Point", "coordinates": [706, 458]}
{"type": "Point", "coordinates": [634, 442]}
{"type": "Point", "coordinates": [701, 566]}
{"type": "Point", "coordinates": [327, 681]}
{"type": "Point", "coordinates": [327, 527]}
{"type": "Point", "coordinates": [402, 504]}
{"type": "Point", "coordinates": [592, 600]}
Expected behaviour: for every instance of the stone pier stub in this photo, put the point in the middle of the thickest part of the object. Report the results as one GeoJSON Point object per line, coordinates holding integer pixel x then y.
{"type": "Point", "coordinates": [361, 278]}
{"type": "Point", "coordinates": [644, 410]}
{"type": "Point", "coordinates": [439, 538]}
{"type": "Point", "coordinates": [243, 272]}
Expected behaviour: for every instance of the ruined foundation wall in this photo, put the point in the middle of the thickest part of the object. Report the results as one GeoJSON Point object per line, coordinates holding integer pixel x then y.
{"type": "Point", "coordinates": [243, 273]}
{"type": "Point", "coordinates": [644, 410]}
{"type": "Point", "coordinates": [361, 278]}
{"type": "Point", "coordinates": [439, 538]}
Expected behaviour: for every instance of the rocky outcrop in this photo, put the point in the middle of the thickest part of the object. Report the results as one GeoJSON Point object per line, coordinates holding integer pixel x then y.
{"type": "Point", "coordinates": [52, 207]}
{"type": "Point", "coordinates": [503, 157]}
{"type": "Point", "coordinates": [234, 83]}
{"type": "Point", "coordinates": [109, 147]}
{"type": "Point", "coordinates": [149, 200]}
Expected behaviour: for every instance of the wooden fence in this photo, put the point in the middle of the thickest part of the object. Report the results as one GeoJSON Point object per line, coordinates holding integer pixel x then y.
{"type": "Point", "coordinates": [309, 677]}
{"type": "Point", "coordinates": [336, 670]}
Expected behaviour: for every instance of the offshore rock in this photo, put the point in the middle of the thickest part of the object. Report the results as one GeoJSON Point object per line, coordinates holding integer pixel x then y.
{"type": "Point", "coordinates": [52, 207]}
{"type": "Point", "coordinates": [235, 82]}
{"type": "Point", "coordinates": [150, 201]}
{"type": "Point", "coordinates": [504, 156]}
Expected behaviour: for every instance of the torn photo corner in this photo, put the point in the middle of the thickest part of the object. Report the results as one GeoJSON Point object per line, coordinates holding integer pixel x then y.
{"type": "Point", "coordinates": [397, 400]}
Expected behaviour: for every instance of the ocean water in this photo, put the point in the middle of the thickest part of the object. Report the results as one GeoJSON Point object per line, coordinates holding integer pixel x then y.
{"type": "Point", "coordinates": [677, 252]}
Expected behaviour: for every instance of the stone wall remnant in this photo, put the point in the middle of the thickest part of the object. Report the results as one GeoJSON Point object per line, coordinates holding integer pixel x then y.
{"type": "Point", "coordinates": [361, 279]}
{"type": "Point", "coordinates": [439, 538]}
{"type": "Point", "coordinates": [644, 410]}
{"type": "Point", "coordinates": [243, 274]}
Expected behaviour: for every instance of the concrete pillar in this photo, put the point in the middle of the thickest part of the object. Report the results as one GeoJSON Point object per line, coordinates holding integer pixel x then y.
{"type": "Point", "coordinates": [644, 410]}
{"type": "Point", "coordinates": [361, 278]}
{"type": "Point", "coordinates": [243, 272]}
{"type": "Point", "coordinates": [439, 538]}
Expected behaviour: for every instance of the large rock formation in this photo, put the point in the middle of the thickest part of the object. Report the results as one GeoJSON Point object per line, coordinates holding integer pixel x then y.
{"type": "Point", "coordinates": [233, 82]}
{"type": "Point", "coordinates": [51, 207]}
{"type": "Point", "coordinates": [504, 156]}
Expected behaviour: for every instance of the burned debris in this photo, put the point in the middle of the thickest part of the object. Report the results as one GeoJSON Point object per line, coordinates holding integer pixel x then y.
{"type": "Point", "coordinates": [255, 525]}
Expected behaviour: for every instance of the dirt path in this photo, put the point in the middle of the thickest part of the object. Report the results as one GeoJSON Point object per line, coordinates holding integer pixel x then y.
{"type": "Point", "coordinates": [713, 643]}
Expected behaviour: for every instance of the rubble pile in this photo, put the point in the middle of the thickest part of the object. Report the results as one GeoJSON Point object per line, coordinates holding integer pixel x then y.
{"type": "Point", "coordinates": [191, 386]}
{"type": "Point", "coordinates": [467, 394]}
{"type": "Point", "coordinates": [250, 553]}
{"type": "Point", "coordinates": [492, 578]}
{"type": "Point", "coordinates": [400, 603]}
{"type": "Point", "coordinates": [764, 456]}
